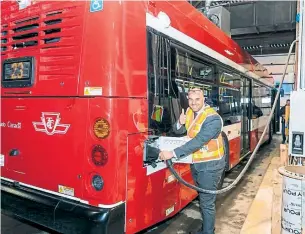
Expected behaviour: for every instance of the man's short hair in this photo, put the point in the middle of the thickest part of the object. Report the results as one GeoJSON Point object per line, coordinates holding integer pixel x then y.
{"type": "Point", "coordinates": [195, 89]}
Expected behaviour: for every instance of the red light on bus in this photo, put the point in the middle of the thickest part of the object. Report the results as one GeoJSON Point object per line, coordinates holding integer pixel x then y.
{"type": "Point", "coordinates": [99, 155]}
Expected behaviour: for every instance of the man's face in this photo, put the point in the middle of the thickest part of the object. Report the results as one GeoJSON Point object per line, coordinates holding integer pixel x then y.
{"type": "Point", "coordinates": [196, 100]}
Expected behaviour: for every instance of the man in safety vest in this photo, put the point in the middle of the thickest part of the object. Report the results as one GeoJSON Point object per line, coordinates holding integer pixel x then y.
{"type": "Point", "coordinates": [203, 126]}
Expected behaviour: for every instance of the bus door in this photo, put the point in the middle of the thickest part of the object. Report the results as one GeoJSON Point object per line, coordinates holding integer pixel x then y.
{"type": "Point", "coordinates": [245, 121]}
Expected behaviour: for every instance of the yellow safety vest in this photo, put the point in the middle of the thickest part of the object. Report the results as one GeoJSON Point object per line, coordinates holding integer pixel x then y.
{"type": "Point", "coordinates": [212, 150]}
{"type": "Point", "coordinates": [287, 114]}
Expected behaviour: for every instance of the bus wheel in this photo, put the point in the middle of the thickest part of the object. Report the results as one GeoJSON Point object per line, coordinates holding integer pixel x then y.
{"type": "Point", "coordinates": [226, 155]}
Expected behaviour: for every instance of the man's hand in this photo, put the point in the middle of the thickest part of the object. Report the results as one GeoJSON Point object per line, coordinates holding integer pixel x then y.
{"type": "Point", "coordinates": [182, 117]}
{"type": "Point", "coordinates": [165, 155]}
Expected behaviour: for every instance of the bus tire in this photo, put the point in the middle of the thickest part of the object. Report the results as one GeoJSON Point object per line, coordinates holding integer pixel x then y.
{"type": "Point", "coordinates": [227, 158]}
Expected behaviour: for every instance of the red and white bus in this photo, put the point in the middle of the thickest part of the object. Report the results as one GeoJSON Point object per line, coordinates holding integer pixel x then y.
{"type": "Point", "coordinates": [83, 86]}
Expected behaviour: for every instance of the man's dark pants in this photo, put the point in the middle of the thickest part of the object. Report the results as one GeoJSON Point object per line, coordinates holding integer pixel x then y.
{"type": "Point", "coordinates": [207, 175]}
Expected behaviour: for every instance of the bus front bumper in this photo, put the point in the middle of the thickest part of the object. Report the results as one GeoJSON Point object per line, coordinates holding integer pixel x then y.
{"type": "Point", "coordinates": [58, 213]}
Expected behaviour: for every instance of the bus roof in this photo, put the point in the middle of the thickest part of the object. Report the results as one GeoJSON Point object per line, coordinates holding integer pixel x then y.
{"type": "Point", "coordinates": [191, 27]}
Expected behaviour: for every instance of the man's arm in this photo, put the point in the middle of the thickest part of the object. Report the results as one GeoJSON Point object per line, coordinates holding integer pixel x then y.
{"type": "Point", "coordinates": [210, 129]}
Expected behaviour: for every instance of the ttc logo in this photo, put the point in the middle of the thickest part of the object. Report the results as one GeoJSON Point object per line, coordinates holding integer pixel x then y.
{"type": "Point", "coordinates": [50, 124]}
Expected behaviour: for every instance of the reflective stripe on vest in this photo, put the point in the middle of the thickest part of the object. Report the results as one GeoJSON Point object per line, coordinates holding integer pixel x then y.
{"type": "Point", "coordinates": [212, 150]}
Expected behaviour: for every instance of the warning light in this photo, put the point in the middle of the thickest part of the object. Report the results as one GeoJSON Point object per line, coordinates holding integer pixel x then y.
{"type": "Point", "coordinates": [101, 128]}
{"type": "Point", "coordinates": [99, 155]}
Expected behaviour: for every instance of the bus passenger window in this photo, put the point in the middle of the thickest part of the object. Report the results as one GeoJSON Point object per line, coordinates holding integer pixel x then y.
{"type": "Point", "coordinates": [190, 70]}
{"type": "Point", "coordinates": [230, 97]}
{"type": "Point", "coordinates": [162, 112]}
{"type": "Point", "coordinates": [191, 67]}
{"type": "Point", "coordinates": [261, 100]}
{"type": "Point", "coordinates": [229, 103]}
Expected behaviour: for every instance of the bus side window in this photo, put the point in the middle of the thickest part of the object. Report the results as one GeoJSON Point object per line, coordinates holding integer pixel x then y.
{"type": "Point", "coordinates": [159, 88]}
{"type": "Point", "coordinates": [230, 97]}
{"type": "Point", "coordinates": [190, 69]}
{"type": "Point", "coordinates": [261, 101]}
{"type": "Point", "coordinates": [256, 111]}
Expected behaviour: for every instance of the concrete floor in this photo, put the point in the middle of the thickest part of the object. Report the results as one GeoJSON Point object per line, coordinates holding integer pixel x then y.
{"type": "Point", "coordinates": [232, 207]}
{"type": "Point", "coordinates": [13, 226]}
